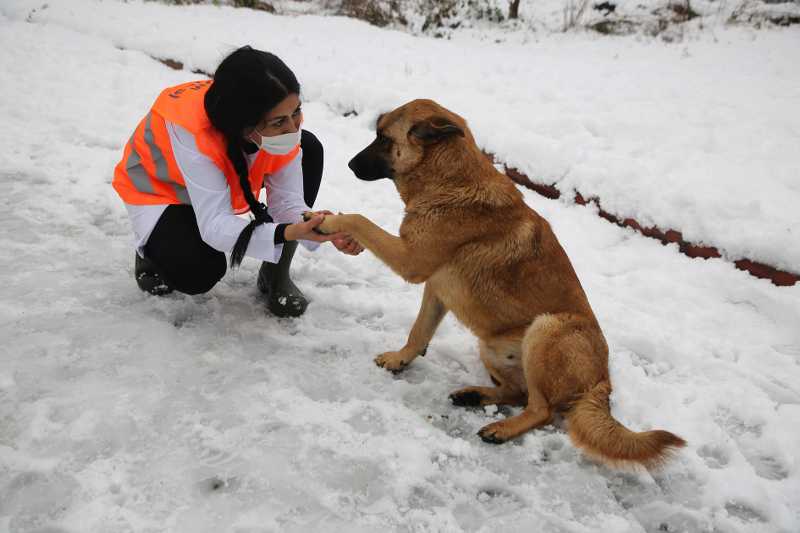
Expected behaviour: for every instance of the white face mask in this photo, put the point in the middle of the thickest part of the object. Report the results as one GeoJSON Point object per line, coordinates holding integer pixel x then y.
{"type": "Point", "coordinates": [280, 144]}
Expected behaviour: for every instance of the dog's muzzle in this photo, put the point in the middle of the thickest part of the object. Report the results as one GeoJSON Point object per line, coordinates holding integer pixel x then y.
{"type": "Point", "coordinates": [369, 167]}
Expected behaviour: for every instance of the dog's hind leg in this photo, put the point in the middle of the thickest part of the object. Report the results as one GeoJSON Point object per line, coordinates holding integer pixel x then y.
{"type": "Point", "coordinates": [562, 355]}
{"type": "Point", "coordinates": [509, 362]}
{"type": "Point", "coordinates": [536, 414]}
{"type": "Point", "coordinates": [476, 396]}
{"type": "Point", "coordinates": [501, 358]}
{"type": "Point", "coordinates": [429, 317]}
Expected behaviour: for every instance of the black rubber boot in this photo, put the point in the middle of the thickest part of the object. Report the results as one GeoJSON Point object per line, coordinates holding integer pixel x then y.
{"type": "Point", "coordinates": [283, 297]}
{"type": "Point", "coordinates": [148, 279]}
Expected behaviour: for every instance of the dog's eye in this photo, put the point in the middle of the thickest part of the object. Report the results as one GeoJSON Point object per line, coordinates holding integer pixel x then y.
{"type": "Point", "coordinates": [383, 139]}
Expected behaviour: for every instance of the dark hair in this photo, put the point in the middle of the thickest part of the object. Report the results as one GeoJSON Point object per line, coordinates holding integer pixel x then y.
{"type": "Point", "coordinates": [247, 84]}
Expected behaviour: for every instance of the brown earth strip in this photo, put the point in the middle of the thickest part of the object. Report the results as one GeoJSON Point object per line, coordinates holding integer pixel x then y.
{"type": "Point", "coordinates": [760, 270]}
{"type": "Point", "coordinates": [177, 65]}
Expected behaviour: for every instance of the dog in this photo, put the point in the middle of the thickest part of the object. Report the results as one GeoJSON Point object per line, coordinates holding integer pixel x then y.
{"type": "Point", "coordinates": [496, 264]}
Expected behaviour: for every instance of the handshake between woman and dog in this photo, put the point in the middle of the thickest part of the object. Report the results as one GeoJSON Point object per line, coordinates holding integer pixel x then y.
{"type": "Point", "coordinates": [492, 261]}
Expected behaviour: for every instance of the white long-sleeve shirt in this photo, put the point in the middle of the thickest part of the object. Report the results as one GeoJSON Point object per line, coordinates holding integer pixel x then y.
{"type": "Point", "coordinates": [211, 200]}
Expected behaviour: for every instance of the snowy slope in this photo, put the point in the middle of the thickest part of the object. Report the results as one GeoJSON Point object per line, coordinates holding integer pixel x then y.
{"type": "Point", "coordinates": [669, 19]}
{"type": "Point", "coordinates": [123, 412]}
{"type": "Point", "coordinates": [699, 137]}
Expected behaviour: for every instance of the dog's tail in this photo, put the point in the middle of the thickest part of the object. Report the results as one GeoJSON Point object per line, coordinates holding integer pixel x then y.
{"type": "Point", "coordinates": [599, 435]}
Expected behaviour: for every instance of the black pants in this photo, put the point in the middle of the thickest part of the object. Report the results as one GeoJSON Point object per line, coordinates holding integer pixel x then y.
{"type": "Point", "coordinates": [177, 250]}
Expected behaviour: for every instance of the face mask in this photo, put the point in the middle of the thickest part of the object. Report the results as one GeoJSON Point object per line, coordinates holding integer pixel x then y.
{"type": "Point", "coordinates": [281, 144]}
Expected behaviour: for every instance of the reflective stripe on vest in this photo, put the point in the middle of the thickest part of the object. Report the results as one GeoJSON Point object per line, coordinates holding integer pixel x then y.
{"type": "Point", "coordinates": [148, 173]}
{"type": "Point", "coordinates": [139, 176]}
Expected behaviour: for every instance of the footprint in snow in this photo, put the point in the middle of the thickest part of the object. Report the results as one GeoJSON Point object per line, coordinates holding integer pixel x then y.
{"type": "Point", "coordinates": [744, 512]}
{"type": "Point", "coordinates": [713, 456]}
{"type": "Point", "coordinates": [217, 484]}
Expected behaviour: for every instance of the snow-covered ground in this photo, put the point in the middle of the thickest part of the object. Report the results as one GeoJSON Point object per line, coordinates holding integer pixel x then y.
{"type": "Point", "coordinates": [699, 137]}
{"type": "Point", "coordinates": [668, 19]}
{"type": "Point", "coordinates": [124, 412]}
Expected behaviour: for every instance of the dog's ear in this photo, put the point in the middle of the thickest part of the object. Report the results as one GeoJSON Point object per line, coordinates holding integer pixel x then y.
{"type": "Point", "coordinates": [434, 130]}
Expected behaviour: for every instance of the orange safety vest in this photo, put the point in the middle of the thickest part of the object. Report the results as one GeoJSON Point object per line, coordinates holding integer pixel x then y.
{"type": "Point", "coordinates": [148, 173]}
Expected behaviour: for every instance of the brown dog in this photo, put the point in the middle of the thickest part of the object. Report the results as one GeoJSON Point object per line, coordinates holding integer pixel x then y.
{"type": "Point", "coordinates": [496, 264]}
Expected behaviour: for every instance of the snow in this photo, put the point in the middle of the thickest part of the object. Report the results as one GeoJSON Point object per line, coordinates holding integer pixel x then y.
{"type": "Point", "coordinates": [698, 137]}
{"type": "Point", "coordinates": [666, 19]}
{"type": "Point", "coordinates": [125, 412]}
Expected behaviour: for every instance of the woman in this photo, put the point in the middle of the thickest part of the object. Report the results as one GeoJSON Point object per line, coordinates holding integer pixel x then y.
{"type": "Point", "coordinates": [200, 157]}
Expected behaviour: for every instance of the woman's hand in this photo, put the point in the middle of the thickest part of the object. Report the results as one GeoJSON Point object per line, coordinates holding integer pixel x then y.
{"type": "Point", "coordinates": [347, 245]}
{"type": "Point", "coordinates": [305, 231]}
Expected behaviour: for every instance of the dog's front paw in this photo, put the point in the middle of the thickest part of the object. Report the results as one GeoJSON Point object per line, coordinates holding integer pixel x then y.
{"type": "Point", "coordinates": [335, 223]}
{"type": "Point", "coordinates": [495, 433]}
{"type": "Point", "coordinates": [331, 224]}
{"type": "Point", "coordinates": [392, 361]}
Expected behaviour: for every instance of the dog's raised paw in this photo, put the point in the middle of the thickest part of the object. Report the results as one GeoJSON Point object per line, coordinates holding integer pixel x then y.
{"type": "Point", "coordinates": [466, 398]}
{"type": "Point", "coordinates": [308, 215]}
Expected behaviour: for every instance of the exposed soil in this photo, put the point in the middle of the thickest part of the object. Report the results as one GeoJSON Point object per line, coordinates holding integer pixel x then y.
{"type": "Point", "coordinates": [759, 270]}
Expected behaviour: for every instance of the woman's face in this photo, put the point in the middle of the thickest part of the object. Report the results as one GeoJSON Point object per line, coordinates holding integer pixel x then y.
{"type": "Point", "coordinates": [285, 117]}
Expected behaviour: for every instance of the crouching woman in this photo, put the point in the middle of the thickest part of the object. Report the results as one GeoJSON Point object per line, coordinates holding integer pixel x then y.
{"type": "Point", "coordinates": [200, 157]}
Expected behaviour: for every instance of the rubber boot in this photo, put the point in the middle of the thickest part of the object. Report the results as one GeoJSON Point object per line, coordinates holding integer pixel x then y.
{"type": "Point", "coordinates": [148, 279]}
{"type": "Point", "coordinates": [283, 297]}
